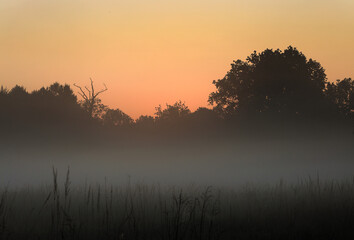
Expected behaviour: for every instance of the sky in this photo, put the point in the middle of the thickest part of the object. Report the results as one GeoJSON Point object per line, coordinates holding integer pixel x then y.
{"type": "Point", "coordinates": [151, 52]}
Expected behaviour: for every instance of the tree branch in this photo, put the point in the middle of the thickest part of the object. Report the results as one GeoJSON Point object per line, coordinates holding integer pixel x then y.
{"type": "Point", "coordinates": [101, 90]}
{"type": "Point", "coordinates": [83, 95]}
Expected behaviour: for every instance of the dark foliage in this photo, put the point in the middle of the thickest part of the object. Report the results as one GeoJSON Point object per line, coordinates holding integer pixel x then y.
{"type": "Point", "coordinates": [116, 118]}
{"type": "Point", "coordinates": [341, 94]}
{"type": "Point", "coordinates": [272, 81]}
{"type": "Point", "coordinates": [175, 112]}
{"type": "Point", "coordinates": [90, 101]}
{"type": "Point", "coordinates": [272, 86]}
{"type": "Point", "coordinates": [53, 105]}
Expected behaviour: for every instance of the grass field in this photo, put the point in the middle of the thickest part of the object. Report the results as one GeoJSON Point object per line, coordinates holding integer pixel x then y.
{"type": "Point", "coordinates": [310, 209]}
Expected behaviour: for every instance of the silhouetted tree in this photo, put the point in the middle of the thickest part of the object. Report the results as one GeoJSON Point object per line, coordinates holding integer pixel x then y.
{"type": "Point", "coordinates": [3, 90]}
{"type": "Point", "coordinates": [63, 91]}
{"type": "Point", "coordinates": [205, 115]}
{"type": "Point", "coordinates": [272, 81]}
{"type": "Point", "coordinates": [91, 103]}
{"type": "Point", "coordinates": [55, 104]}
{"type": "Point", "coordinates": [18, 92]}
{"type": "Point", "coordinates": [16, 106]}
{"type": "Point", "coordinates": [341, 94]}
{"type": "Point", "coordinates": [176, 111]}
{"type": "Point", "coordinates": [115, 117]}
{"type": "Point", "coordinates": [145, 121]}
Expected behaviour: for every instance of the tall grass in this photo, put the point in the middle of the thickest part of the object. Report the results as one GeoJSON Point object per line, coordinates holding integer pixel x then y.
{"type": "Point", "coordinates": [310, 209]}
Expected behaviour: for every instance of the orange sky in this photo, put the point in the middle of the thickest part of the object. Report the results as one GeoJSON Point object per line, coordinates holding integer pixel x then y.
{"type": "Point", "coordinates": [149, 52]}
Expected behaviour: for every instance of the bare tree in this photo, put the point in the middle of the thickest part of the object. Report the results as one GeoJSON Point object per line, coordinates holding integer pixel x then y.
{"type": "Point", "coordinates": [90, 100]}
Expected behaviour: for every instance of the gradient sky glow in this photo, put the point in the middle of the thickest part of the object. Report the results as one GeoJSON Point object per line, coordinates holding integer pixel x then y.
{"type": "Point", "coordinates": [151, 52]}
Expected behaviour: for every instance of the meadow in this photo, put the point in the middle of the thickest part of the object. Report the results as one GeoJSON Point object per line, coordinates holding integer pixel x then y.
{"type": "Point", "coordinates": [309, 209]}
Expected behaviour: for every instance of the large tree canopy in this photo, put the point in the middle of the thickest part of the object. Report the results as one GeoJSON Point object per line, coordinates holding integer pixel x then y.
{"type": "Point", "coordinates": [56, 104]}
{"type": "Point", "coordinates": [271, 81]}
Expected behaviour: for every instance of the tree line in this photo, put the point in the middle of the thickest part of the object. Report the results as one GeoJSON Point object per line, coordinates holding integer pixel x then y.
{"type": "Point", "coordinates": [270, 83]}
